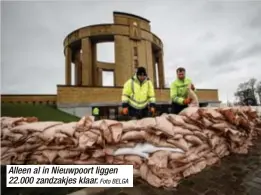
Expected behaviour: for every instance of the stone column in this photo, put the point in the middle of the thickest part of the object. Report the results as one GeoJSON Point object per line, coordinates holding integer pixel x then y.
{"type": "Point", "coordinates": [99, 77]}
{"type": "Point", "coordinates": [97, 72]}
{"type": "Point", "coordinates": [77, 73]}
{"type": "Point", "coordinates": [77, 68]}
{"type": "Point", "coordinates": [87, 65]}
{"type": "Point", "coordinates": [161, 70]}
{"type": "Point", "coordinates": [149, 61]}
{"type": "Point", "coordinates": [68, 66]}
{"type": "Point", "coordinates": [80, 73]}
{"type": "Point", "coordinates": [142, 54]}
{"type": "Point", "coordinates": [154, 70]}
{"type": "Point", "coordinates": [123, 60]}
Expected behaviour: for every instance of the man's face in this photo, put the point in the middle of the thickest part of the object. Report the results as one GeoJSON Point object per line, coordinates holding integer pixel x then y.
{"type": "Point", "coordinates": [181, 74]}
{"type": "Point", "coordinates": [141, 77]}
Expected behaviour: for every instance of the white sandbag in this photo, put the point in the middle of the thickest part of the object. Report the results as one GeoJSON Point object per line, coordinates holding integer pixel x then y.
{"type": "Point", "coordinates": [130, 151]}
{"type": "Point", "coordinates": [149, 148]}
{"type": "Point", "coordinates": [144, 149]}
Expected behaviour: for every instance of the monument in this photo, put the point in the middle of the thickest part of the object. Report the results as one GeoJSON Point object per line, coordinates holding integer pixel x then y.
{"type": "Point", "coordinates": [134, 45]}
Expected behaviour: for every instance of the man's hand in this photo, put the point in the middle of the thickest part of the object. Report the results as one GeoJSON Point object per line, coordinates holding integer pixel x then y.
{"type": "Point", "coordinates": [125, 111]}
{"type": "Point", "coordinates": [187, 101]}
{"type": "Point", "coordinates": [192, 87]}
{"type": "Point", "coordinates": [152, 110]}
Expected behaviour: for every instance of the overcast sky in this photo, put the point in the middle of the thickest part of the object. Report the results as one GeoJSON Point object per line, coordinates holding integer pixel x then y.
{"type": "Point", "coordinates": [217, 41]}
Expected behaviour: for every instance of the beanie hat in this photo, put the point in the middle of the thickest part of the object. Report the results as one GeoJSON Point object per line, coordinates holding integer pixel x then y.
{"type": "Point", "coordinates": [180, 69]}
{"type": "Point", "coordinates": [141, 71]}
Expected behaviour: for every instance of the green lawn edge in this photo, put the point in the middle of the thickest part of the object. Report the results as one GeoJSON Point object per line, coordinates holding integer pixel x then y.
{"type": "Point", "coordinates": [42, 112]}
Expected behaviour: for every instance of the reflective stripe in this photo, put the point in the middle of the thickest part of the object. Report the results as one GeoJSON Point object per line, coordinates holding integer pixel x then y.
{"type": "Point", "coordinates": [152, 100]}
{"type": "Point", "coordinates": [138, 106]}
{"type": "Point", "coordinates": [139, 102]}
{"type": "Point", "coordinates": [176, 99]}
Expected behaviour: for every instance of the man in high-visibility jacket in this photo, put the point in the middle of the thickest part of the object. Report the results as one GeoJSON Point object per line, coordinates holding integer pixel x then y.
{"type": "Point", "coordinates": [138, 95]}
{"type": "Point", "coordinates": [95, 113]}
{"type": "Point", "coordinates": [179, 91]}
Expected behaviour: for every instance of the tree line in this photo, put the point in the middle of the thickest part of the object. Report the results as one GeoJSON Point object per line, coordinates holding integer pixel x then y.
{"type": "Point", "coordinates": [249, 93]}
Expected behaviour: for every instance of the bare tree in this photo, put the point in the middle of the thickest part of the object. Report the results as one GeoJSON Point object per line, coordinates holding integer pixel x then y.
{"type": "Point", "coordinates": [252, 83]}
{"type": "Point", "coordinates": [246, 92]}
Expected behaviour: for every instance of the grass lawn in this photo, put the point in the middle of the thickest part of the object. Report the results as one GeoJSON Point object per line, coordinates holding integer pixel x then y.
{"type": "Point", "coordinates": [42, 112]}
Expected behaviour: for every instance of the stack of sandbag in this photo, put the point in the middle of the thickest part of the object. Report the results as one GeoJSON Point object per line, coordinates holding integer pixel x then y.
{"type": "Point", "coordinates": [29, 141]}
{"type": "Point", "coordinates": [197, 137]}
{"type": "Point", "coordinates": [163, 149]}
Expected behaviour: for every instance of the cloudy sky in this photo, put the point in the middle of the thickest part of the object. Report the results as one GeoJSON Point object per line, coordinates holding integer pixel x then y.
{"type": "Point", "coordinates": [218, 41]}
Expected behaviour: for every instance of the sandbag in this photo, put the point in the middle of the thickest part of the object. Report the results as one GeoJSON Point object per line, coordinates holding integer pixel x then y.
{"type": "Point", "coordinates": [143, 150]}
{"type": "Point", "coordinates": [163, 150]}
{"type": "Point", "coordinates": [193, 96]}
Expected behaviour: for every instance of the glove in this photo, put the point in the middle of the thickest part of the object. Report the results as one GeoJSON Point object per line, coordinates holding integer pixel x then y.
{"type": "Point", "coordinates": [152, 110]}
{"type": "Point", "coordinates": [125, 111]}
{"type": "Point", "coordinates": [192, 87]}
{"type": "Point", "coordinates": [187, 101]}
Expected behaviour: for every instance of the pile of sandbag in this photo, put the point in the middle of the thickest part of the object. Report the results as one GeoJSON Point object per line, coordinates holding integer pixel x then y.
{"type": "Point", "coordinates": [163, 149]}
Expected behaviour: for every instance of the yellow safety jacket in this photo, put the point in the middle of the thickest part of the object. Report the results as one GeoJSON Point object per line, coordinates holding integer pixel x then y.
{"type": "Point", "coordinates": [179, 90]}
{"type": "Point", "coordinates": [95, 111]}
{"type": "Point", "coordinates": [137, 94]}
